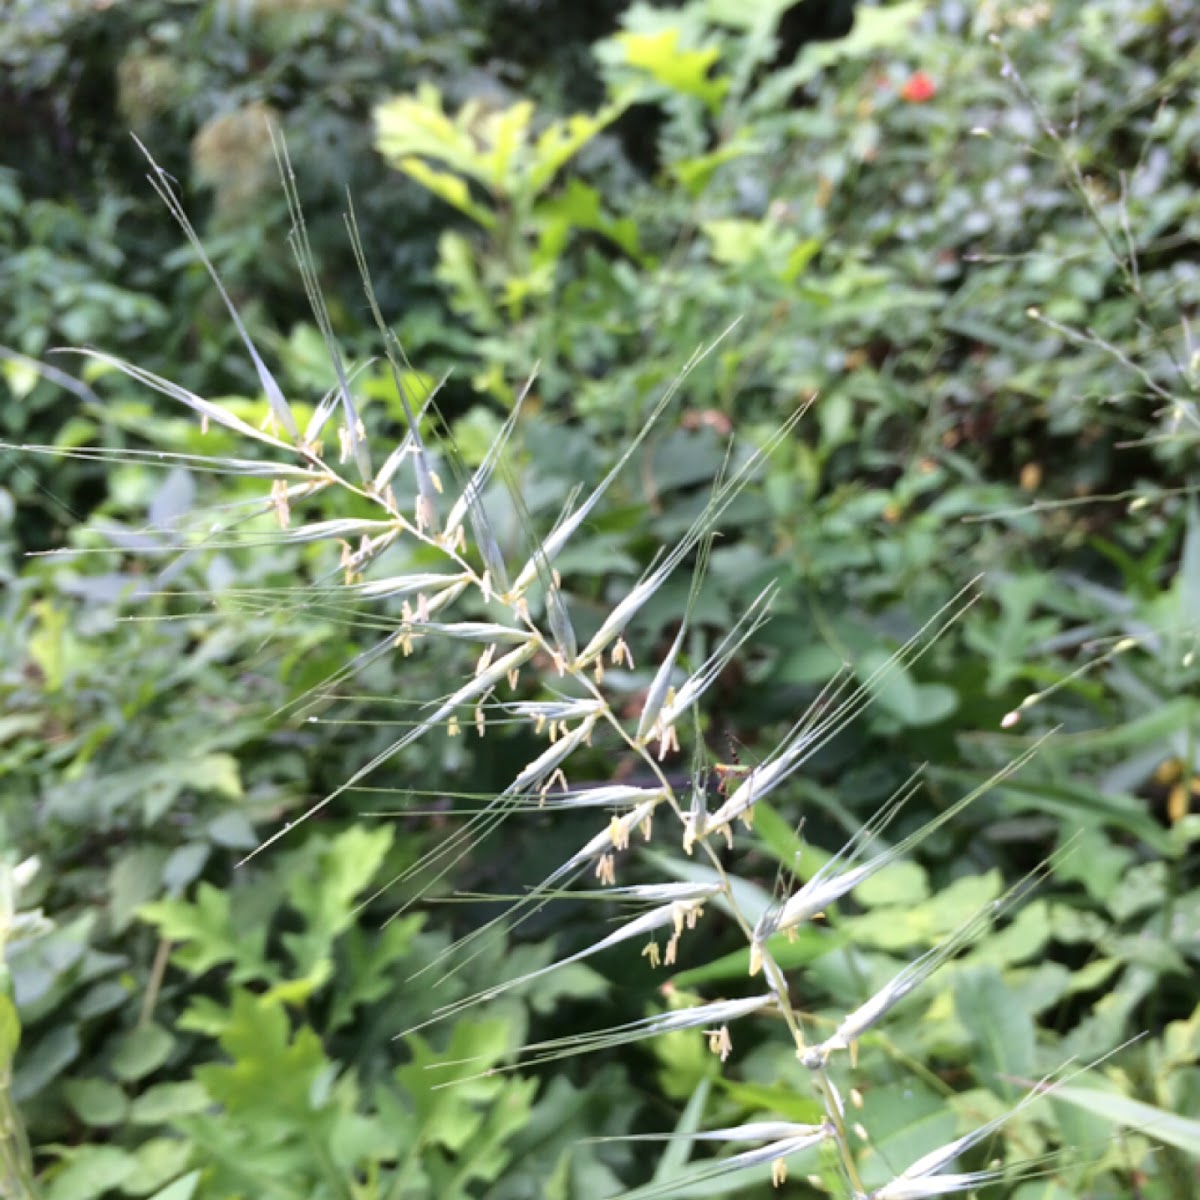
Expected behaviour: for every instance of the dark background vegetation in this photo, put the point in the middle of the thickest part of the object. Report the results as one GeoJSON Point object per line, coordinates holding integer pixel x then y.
{"type": "Point", "coordinates": [970, 230]}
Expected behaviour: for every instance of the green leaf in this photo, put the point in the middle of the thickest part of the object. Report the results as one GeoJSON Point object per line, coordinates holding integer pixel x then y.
{"type": "Point", "coordinates": [903, 697]}
{"type": "Point", "coordinates": [135, 879]}
{"type": "Point", "coordinates": [1002, 1029]}
{"type": "Point", "coordinates": [905, 1120]}
{"type": "Point", "coordinates": [183, 866]}
{"type": "Point", "coordinates": [233, 829]}
{"type": "Point", "coordinates": [735, 240]}
{"type": "Point", "coordinates": [925, 923]}
{"type": "Point", "coordinates": [208, 934]}
{"type": "Point", "coordinates": [807, 944]}
{"type": "Point", "coordinates": [184, 1188]}
{"type": "Point", "coordinates": [1181, 1132]}
{"type": "Point", "coordinates": [97, 1102]}
{"type": "Point", "coordinates": [737, 14]}
{"type": "Point", "coordinates": [272, 1070]}
{"type": "Point", "coordinates": [21, 377]}
{"type": "Point", "coordinates": [216, 773]}
{"type": "Point", "coordinates": [371, 966]}
{"type": "Point", "coordinates": [418, 125]}
{"type": "Point", "coordinates": [1083, 804]}
{"type": "Point", "coordinates": [140, 1052]}
{"type": "Point", "coordinates": [562, 140]}
{"type": "Point", "coordinates": [578, 207]}
{"type": "Point", "coordinates": [900, 883]}
{"type": "Point", "coordinates": [449, 1115]}
{"type": "Point", "coordinates": [160, 1159]}
{"type": "Point", "coordinates": [166, 1102]}
{"type": "Point", "coordinates": [44, 1060]}
{"type": "Point", "coordinates": [772, 1098]}
{"type": "Point", "coordinates": [91, 1171]}
{"type": "Point", "coordinates": [685, 71]}
{"type": "Point", "coordinates": [450, 188]}
{"type": "Point", "coordinates": [325, 891]}
{"type": "Point", "coordinates": [694, 174]}
{"type": "Point", "coordinates": [675, 1156]}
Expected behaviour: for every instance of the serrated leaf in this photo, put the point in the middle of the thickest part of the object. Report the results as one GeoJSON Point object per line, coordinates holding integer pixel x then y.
{"type": "Point", "coordinates": [264, 1051]}
{"type": "Point", "coordinates": [345, 867]}
{"type": "Point", "coordinates": [687, 71]}
{"type": "Point", "coordinates": [450, 188]}
{"type": "Point", "coordinates": [205, 928]}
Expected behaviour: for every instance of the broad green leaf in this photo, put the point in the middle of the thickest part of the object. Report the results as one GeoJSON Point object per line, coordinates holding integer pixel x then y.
{"type": "Point", "coordinates": [901, 695]}
{"type": "Point", "coordinates": [21, 377]}
{"type": "Point", "coordinates": [903, 1120]}
{"type": "Point", "coordinates": [167, 1102]}
{"type": "Point", "coordinates": [98, 1102]}
{"type": "Point", "coordinates": [900, 883]}
{"type": "Point", "coordinates": [15, 725]}
{"type": "Point", "coordinates": [295, 992]}
{"type": "Point", "coordinates": [184, 1188]}
{"type": "Point", "coordinates": [91, 1171]}
{"type": "Point", "coordinates": [48, 645]}
{"type": "Point", "coordinates": [927, 922]}
{"type": "Point", "coordinates": [183, 866]}
{"type": "Point", "coordinates": [135, 878]}
{"type": "Point", "coordinates": [140, 1052]}
{"type": "Point", "coordinates": [1002, 1029]}
{"type": "Point", "coordinates": [452, 1115]}
{"type": "Point", "coordinates": [576, 207]}
{"type": "Point", "coordinates": [798, 258]}
{"type": "Point", "coordinates": [42, 1061]}
{"type": "Point", "coordinates": [217, 773]}
{"type": "Point", "coordinates": [160, 1159]}
{"type": "Point", "coordinates": [370, 966]}
{"type": "Point", "coordinates": [233, 829]}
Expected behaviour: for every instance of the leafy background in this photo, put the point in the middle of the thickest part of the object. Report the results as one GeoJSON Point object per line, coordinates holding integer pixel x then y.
{"type": "Point", "coordinates": [969, 231]}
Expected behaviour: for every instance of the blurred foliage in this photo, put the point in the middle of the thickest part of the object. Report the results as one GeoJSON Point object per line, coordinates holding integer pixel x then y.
{"type": "Point", "coordinates": [968, 230]}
